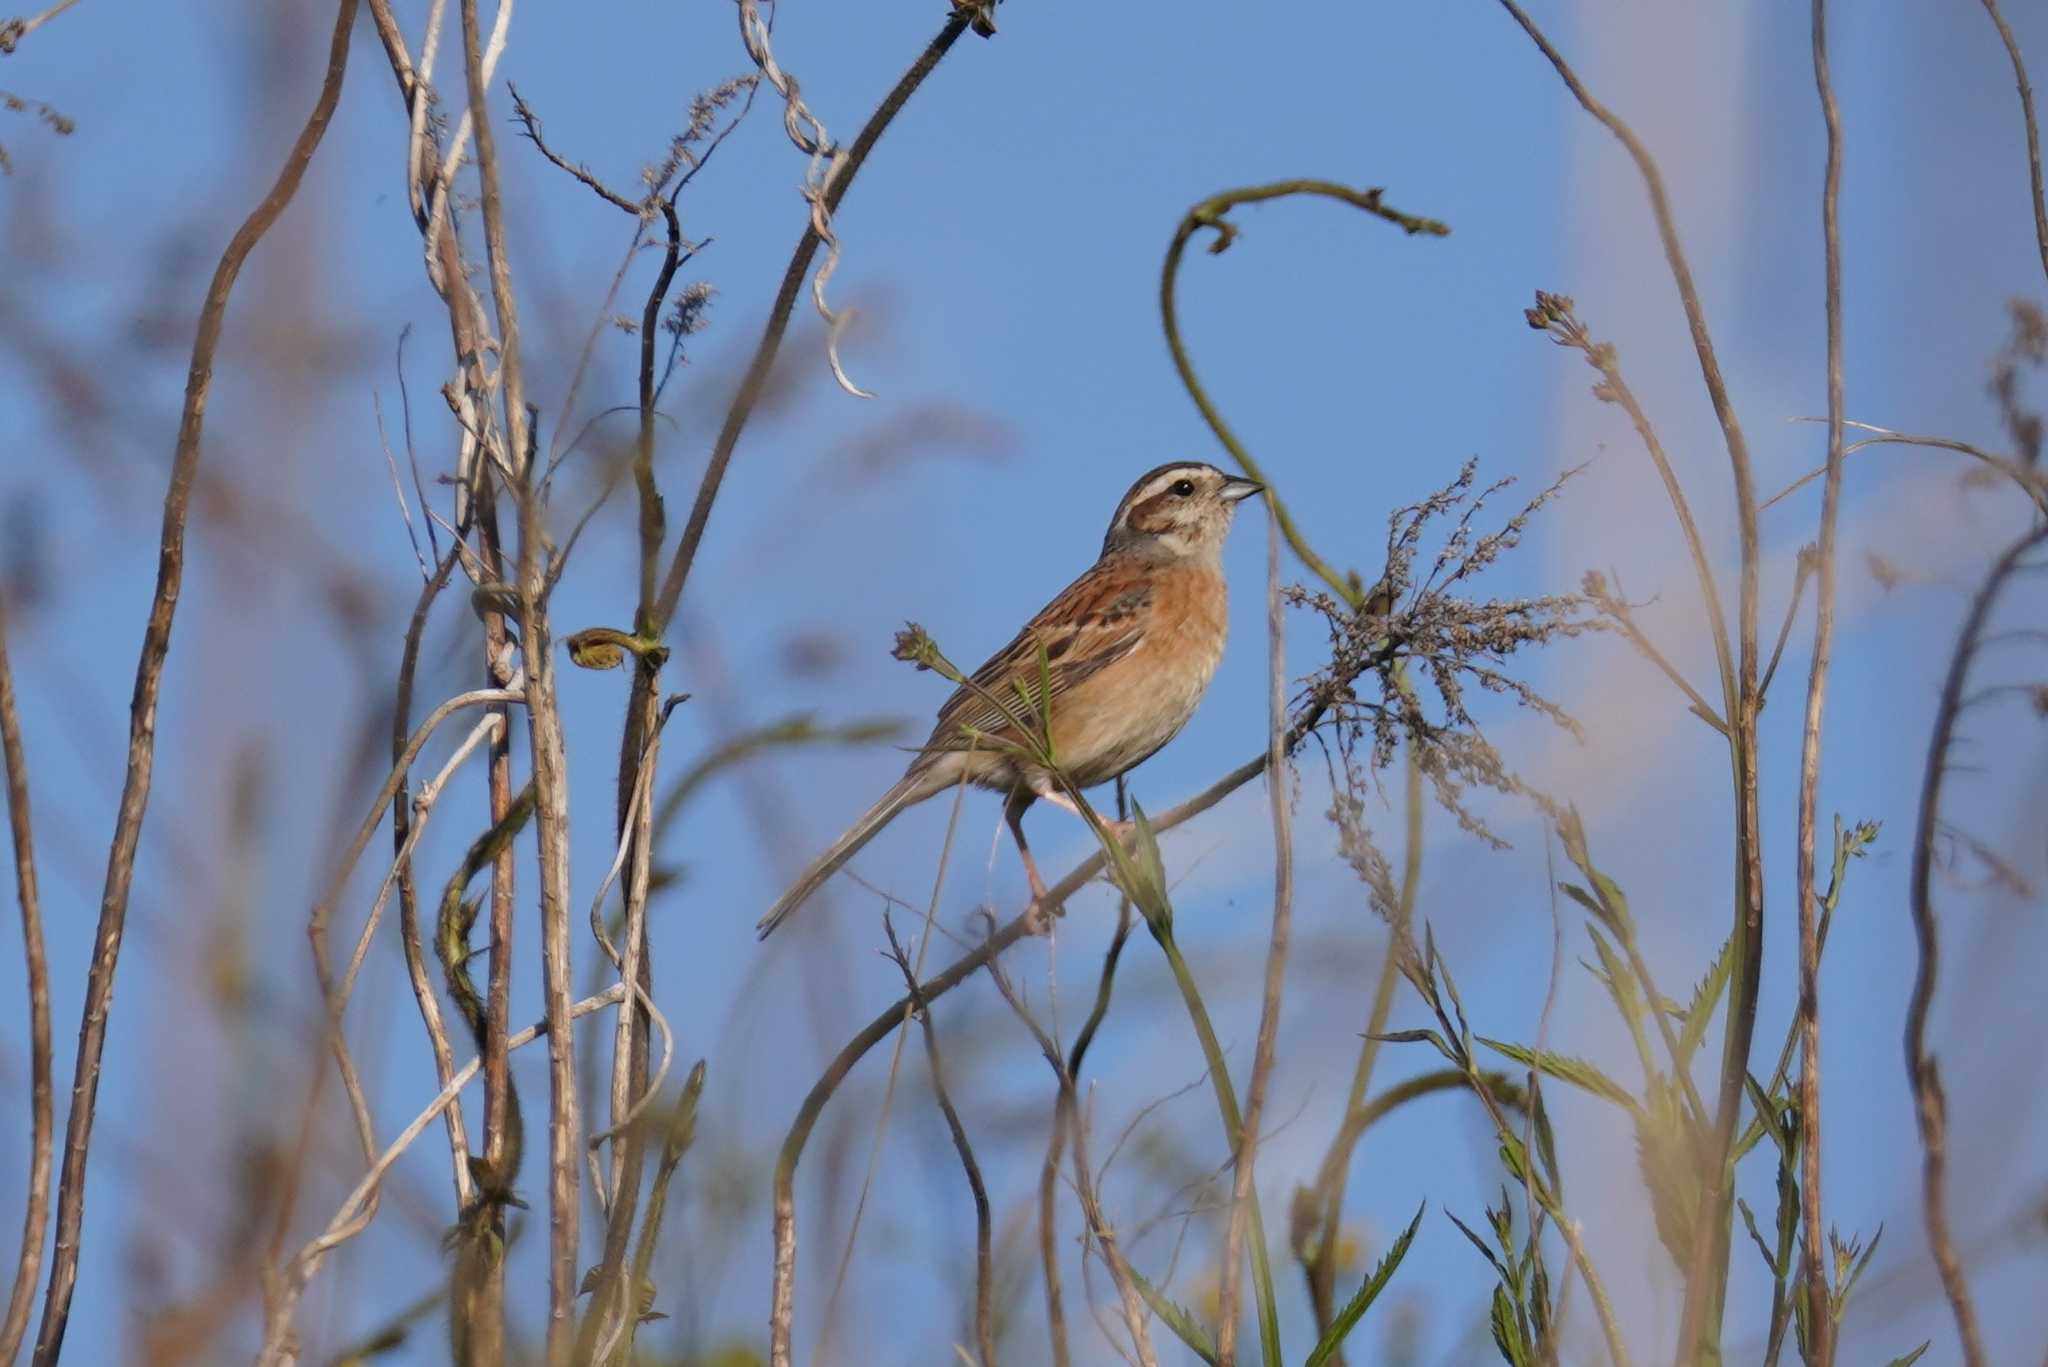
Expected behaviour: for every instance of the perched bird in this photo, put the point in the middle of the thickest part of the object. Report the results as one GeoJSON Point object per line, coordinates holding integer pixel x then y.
{"type": "Point", "coordinates": [1128, 649]}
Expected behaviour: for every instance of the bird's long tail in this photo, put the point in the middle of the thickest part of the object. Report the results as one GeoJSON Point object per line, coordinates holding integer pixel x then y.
{"type": "Point", "coordinates": [910, 789]}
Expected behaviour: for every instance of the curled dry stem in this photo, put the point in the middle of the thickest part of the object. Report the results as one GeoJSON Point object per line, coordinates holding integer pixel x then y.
{"type": "Point", "coordinates": [756, 378]}
{"type": "Point", "coordinates": [1209, 214]}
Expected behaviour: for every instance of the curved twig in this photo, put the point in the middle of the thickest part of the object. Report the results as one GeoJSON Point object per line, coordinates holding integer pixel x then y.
{"type": "Point", "coordinates": [1930, 1107]}
{"type": "Point", "coordinates": [156, 645]}
{"type": "Point", "coordinates": [2019, 73]}
{"type": "Point", "coordinates": [2030, 482]}
{"type": "Point", "coordinates": [349, 1218]}
{"type": "Point", "coordinates": [1209, 214]}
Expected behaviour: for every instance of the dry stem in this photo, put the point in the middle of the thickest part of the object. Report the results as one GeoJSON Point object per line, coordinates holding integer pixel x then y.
{"type": "Point", "coordinates": [156, 645]}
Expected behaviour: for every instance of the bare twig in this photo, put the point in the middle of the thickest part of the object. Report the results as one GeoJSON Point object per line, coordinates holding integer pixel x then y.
{"type": "Point", "coordinates": [2030, 481]}
{"type": "Point", "coordinates": [1820, 1318]}
{"type": "Point", "coordinates": [529, 124]}
{"type": "Point", "coordinates": [1128, 1297]}
{"type": "Point", "coordinates": [1279, 785]}
{"type": "Point", "coordinates": [2019, 74]}
{"type": "Point", "coordinates": [156, 644]}
{"type": "Point", "coordinates": [1556, 315]}
{"type": "Point", "coordinates": [1930, 1103]}
{"type": "Point", "coordinates": [1048, 1177]}
{"type": "Point", "coordinates": [36, 1214]}
{"type": "Point", "coordinates": [1802, 572]}
{"type": "Point", "coordinates": [349, 1219]}
{"type": "Point", "coordinates": [1706, 1272]}
{"type": "Point", "coordinates": [984, 1281]}
{"type": "Point", "coordinates": [12, 31]}
{"type": "Point", "coordinates": [785, 1306]}
{"type": "Point", "coordinates": [756, 378]}
{"type": "Point", "coordinates": [482, 1279]}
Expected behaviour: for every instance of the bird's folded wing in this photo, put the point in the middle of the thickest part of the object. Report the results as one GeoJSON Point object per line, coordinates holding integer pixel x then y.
{"type": "Point", "coordinates": [1096, 621]}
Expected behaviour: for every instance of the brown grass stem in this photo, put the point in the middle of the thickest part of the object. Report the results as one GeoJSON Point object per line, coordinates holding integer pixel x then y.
{"type": "Point", "coordinates": [984, 1277]}
{"type": "Point", "coordinates": [2026, 90]}
{"type": "Point", "coordinates": [1706, 1271]}
{"type": "Point", "coordinates": [1820, 1317]}
{"type": "Point", "coordinates": [142, 712]}
{"type": "Point", "coordinates": [1279, 784]}
{"type": "Point", "coordinates": [36, 1203]}
{"type": "Point", "coordinates": [1930, 1102]}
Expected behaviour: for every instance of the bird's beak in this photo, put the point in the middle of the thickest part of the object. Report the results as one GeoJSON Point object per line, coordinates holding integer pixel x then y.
{"type": "Point", "coordinates": [1237, 490]}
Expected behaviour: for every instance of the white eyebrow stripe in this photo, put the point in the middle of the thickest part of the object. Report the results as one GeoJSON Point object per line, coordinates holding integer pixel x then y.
{"type": "Point", "coordinates": [1163, 481]}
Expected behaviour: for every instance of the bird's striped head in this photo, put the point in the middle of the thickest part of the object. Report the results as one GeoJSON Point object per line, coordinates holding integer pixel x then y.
{"type": "Point", "coordinates": [1181, 508]}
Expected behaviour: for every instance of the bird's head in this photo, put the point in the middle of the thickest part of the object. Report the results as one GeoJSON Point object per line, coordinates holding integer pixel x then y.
{"type": "Point", "coordinates": [1179, 509]}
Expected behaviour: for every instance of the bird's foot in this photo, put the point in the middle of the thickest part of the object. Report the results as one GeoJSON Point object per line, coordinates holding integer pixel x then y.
{"type": "Point", "coordinates": [1039, 917]}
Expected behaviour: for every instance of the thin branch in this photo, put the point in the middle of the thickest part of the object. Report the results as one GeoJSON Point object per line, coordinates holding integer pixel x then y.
{"type": "Point", "coordinates": [12, 31]}
{"type": "Point", "coordinates": [2019, 74]}
{"type": "Point", "coordinates": [1801, 573]}
{"type": "Point", "coordinates": [36, 1215]}
{"type": "Point", "coordinates": [1930, 1108]}
{"type": "Point", "coordinates": [984, 1280]}
{"type": "Point", "coordinates": [142, 712]}
{"type": "Point", "coordinates": [529, 124]}
{"type": "Point", "coordinates": [1048, 1177]}
{"type": "Point", "coordinates": [1556, 315]}
{"type": "Point", "coordinates": [1820, 1317]}
{"type": "Point", "coordinates": [1616, 607]}
{"type": "Point", "coordinates": [756, 378]}
{"type": "Point", "coordinates": [2030, 481]}
{"type": "Point", "coordinates": [349, 1219]}
{"type": "Point", "coordinates": [1128, 1297]}
{"type": "Point", "coordinates": [1279, 786]}
{"type": "Point", "coordinates": [1320, 1263]}
{"type": "Point", "coordinates": [1706, 1271]}
{"type": "Point", "coordinates": [782, 1318]}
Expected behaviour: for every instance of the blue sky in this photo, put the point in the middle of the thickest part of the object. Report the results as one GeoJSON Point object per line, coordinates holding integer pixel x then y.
{"type": "Point", "coordinates": [1003, 248]}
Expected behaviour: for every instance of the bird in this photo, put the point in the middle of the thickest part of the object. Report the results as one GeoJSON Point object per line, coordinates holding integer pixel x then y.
{"type": "Point", "coordinates": [1128, 649]}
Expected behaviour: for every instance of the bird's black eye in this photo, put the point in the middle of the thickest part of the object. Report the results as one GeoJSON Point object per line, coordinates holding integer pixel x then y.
{"type": "Point", "coordinates": [1183, 488]}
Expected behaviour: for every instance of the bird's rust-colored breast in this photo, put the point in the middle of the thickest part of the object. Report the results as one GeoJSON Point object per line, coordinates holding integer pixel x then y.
{"type": "Point", "coordinates": [1122, 714]}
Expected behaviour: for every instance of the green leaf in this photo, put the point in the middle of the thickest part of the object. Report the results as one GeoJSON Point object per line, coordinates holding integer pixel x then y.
{"type": "Point", "coordinates": [1478, 1243]}
{"type": "Point", "coordinates": [1565, 1068]}
{"type": "Point", "coordinates": [1841, 1297]}
{"type": "Point", "coordinates": [1354, 1309]}
{"type": "Point", "coordinates": [1621, 986]}
{"type": "Point", "coordinates": [1417, 1037]}
{"type": "Point", "coordinates": [1705, 997]}
{"type": "Point", "coordinates": [1749, 1219]}
{"type": "Point", "coordinates": [1178, 1318]}
{"type": "Point", "coordinates": [1669, 1158]}
{"type": "Point", "coordinates": [1584, 899]}
{"type": "Point", "coordinates": [1507, 1330]}
{"type": "Point", "coordinates": [1909, 1359]}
